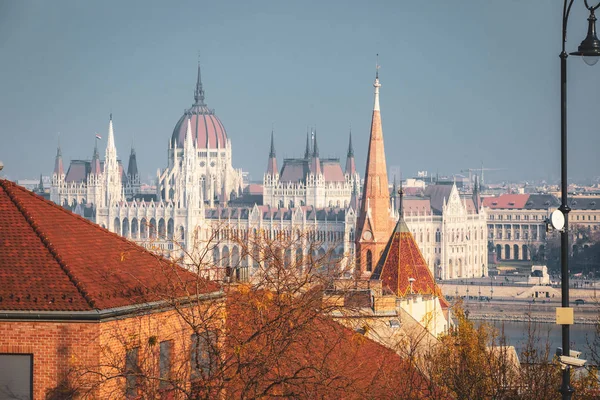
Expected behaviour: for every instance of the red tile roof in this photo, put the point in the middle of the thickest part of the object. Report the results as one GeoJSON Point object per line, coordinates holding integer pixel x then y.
{"type": "Point", "coordinates": [54, 260]}
{"type": "Point", "coordinates": [322, 359]}
{"type": "Point", "coordinates": [506, 201]}
{"type": "Point", "coordinates": [402, 260]}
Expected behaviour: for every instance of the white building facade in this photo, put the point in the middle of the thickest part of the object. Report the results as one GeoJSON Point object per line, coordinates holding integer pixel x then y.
{"type": "Point", "coordinates": [450, 230]}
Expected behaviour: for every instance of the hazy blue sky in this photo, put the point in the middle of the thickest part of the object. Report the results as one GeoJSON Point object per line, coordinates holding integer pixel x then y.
{"type": "Point", "coordinates": [463, 81]}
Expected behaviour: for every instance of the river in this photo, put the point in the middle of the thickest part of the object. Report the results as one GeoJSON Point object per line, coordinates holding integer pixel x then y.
{"type": "Point", "coordinates": [516, 334]}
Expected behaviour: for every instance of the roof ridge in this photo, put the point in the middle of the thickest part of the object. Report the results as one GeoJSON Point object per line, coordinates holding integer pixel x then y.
{"type": "Point", "coordinates": [46, 243]}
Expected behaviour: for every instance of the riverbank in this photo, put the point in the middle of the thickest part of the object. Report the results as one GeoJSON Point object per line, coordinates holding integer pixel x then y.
{"type": "Point", "coordinates": [519, 311]}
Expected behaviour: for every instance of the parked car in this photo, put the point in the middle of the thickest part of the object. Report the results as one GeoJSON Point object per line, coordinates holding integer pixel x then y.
{"type": "Point", "coordinates": [579, 302]}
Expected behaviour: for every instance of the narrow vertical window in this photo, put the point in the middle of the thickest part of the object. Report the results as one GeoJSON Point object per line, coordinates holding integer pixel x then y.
{"type": "Point", "coordinates": [369, 261]}
{"type": "Point", "coordinates": [203, 357]}
{"type": "Point", "coordinates": [131, 372]}
{"type": "Point", "coordinates": [164, 363]}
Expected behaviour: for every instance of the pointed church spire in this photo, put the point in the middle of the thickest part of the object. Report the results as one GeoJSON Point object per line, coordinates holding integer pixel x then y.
{"type": "Point", "coordinates": [272, 164]}
{"type": "Point", "coordinates": [199, 92]}
{"type": "Point", "coordinates": [350, 148]}
{"type": "Point", "coordinates": [307, 150]}
{"type": "Point", "coordinates": [112, 170]}
{"type": "Point", "coordinates": [374, 219]}
{"type": "Point", "coordinates": [315, 166]}
{"type": "Point", "coordinates": [350, 163]}
{"type": "Point", "coordinates": [272, 152]}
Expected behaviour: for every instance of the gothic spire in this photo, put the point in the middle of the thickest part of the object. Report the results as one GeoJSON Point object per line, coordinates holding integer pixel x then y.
{"type": "Point", "coordinates": [350, 163]}
{"type": "Point", "coordinates": [199, 92]}
{"type": "Point", "coordinates": [315, 146]}
{"type": "Point", "coordinates": [350, 148]}
{"type": "Point", "coordinates": [307, 150]}
{"type": "Point", "coordinates": [272, 164]}
{"type": "Point", "coordinates": [374, 219]}
{"type": "Point", "coordinates": [272, 153]}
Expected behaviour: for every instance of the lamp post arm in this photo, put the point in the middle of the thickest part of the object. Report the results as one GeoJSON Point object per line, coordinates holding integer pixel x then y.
{"type": "Point", "coordinates": [591, 8]}
{"type": "Point", "coordinates": [566, 11]}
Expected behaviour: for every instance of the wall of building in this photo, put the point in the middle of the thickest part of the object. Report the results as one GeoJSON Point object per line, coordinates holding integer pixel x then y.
{"type": "Point", "coordinates": [64, 350]}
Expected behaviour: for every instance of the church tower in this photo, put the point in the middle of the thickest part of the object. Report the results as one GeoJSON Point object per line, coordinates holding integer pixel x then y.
{"type": "Point", "coordinates": [374, 219]}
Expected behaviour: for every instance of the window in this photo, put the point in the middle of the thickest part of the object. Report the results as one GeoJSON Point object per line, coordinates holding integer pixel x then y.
{"type": "Point", "coordinates": [508, 235]}
{"type": "Point", "coordinates": [369, 261]}
{"type": "Point", "coordinates": [131, 371]}
{"type": "Point", "coordinates": [203, 358]}
{"type": "Point", "coordinates": [16, 376]}
{"type": "Point", "coordinates": [164, 362]}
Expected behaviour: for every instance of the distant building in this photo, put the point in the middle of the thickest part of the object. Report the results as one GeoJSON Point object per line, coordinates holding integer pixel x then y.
{"type": "Point", "coordinates": [450, 229]}
{"type": "Point", "coordinates": [516, 225]}
{"type": "Point", "coordinates": [312, 180]}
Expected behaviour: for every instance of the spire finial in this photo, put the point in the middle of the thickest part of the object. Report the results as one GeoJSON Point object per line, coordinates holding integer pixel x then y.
{"type": "Point", "coordinates": [199, 92]}
{"type": "Point", "coordinates": [377, 85]}
{"type": "Point", "coordinates": [315, 146]}
{"type": "Point", "coordinates": [401, 194]}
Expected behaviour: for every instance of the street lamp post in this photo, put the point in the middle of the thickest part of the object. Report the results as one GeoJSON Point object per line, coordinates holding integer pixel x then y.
{"type": "Point", "coordinates": [589, 50]}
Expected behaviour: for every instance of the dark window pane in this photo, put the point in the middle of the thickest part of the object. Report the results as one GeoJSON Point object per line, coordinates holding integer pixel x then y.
{"type": "Point", "coordinates": [165, 362]}
{"type": "Point", "coordinates": [131, 369]}
{"type": "Point", "coordinates": [203, 357]}
{"type": "Point", "coordinates": [16, 375]}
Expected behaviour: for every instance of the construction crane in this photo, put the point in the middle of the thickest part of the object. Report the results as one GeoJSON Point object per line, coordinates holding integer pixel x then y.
{"type": "Point", "coordinates": [480, 171]}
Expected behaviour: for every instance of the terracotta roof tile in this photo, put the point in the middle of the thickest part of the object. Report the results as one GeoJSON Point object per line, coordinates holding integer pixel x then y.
{"type": "Point", "coordinates": [402, 260]}
{"type": "Point", "coordinates": [52, 259]}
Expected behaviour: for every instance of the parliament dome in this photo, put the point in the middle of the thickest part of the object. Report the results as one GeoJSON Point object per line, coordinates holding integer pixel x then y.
{"type": "Point", "coordinates": [207, 129]}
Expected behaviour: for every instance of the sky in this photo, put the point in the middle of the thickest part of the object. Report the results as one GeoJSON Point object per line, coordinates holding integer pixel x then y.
{"type": "Point", "coordinates": [463, 81]}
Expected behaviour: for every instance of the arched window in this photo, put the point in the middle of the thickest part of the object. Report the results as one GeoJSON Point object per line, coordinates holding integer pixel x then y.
{"type": "Point", "coordinates": [369, 261]}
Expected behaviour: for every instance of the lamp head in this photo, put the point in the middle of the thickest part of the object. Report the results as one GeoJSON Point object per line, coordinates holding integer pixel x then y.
{"type": "Point", "coordinates": [589, 49]}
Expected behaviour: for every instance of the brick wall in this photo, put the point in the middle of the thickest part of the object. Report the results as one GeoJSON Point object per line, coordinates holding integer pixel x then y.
{"type": "Point", "coordinates": [57, 347]}
{"type": "Point", "coordinates": [77, 350]}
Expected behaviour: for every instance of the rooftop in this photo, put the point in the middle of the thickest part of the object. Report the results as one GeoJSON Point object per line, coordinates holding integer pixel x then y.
{"type": "Point", "coordinates": [54, 260]}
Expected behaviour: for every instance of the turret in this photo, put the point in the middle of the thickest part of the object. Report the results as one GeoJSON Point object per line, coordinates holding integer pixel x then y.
{"type": "Point", "coordinates": [95, 167]}
{"type": "Point", "coordinates": [59, 170]}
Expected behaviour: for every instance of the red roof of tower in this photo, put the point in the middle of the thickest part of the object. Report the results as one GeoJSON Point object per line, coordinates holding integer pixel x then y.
{"type": "Point", "coordinates": [54, 260]}
{"type": "Point", "coordinates": [402, 260]}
